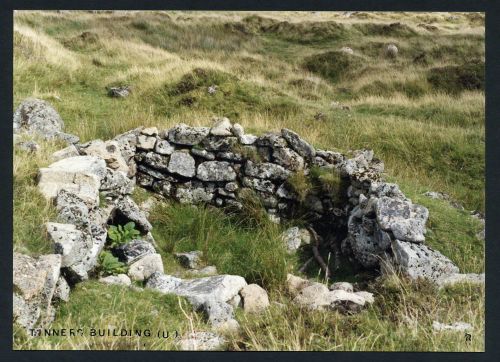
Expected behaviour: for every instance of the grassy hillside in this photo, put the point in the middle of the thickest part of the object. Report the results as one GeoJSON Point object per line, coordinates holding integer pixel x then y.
{"type": "Point", "coordinates": [422, 112]}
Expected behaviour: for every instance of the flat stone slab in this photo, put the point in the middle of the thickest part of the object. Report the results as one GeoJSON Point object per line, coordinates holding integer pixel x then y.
{"type": "Point", "coordinates": [219, 287]}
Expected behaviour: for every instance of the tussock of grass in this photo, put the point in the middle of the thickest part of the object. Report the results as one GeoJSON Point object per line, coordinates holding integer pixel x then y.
{"type": "Point", "coordinates": [454, 79]}
{"type": "Point", "coordinates": [256, 253]}
{"type": "Point", "coordinates": [334, 65]}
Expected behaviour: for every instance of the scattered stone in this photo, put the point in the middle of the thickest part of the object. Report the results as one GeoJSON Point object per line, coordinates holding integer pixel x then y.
{"type": "Point", "coordinates": [201, 341]}
{"type": "Point", "coordinates": [420, 261]}
{"type": "Point", "coordinates": [391, 51]}
{"type": "Point", "coordinates": [208, 270]}
{"type": "Point", "coordinates": [70, 151]}
{"type": "Point", "coordinates": [133, 250]}
{"type": "Point", "coordinates": [119, 92]}
{"type": "Point", "coordinates": [35, 116]}
{"type": "Point", "coordinates": [457, 326]}
{"type": "Point", "coordinates": [294, 238]}
{"type": "Point", "coordinates": [28, 146]}
{"type": "Point", "coordinates": [455, 278]}
{"type": "Point", "coordinates": [182, 163]}
{"type": "Point", "coordinates": [146, 266]}
{"type": "Point", "coordinates": [190, 260]}
{"type": "Point", "coordinates": [109, 151]}
{"type": "Point", "coordinates": [128, 209]}
{"type": "Point", "coordinates": [255, 299]}
{"type": "Point", "coordinates": [347, 50]}
{"type": "Point", "coordinates": [62, 290]}
{"type": "Point", "coordinates": [219, 287]}
{"type": "Point", "coordinates": [78, 251]}
{"type": "Point", "coordinates": [120, 279]}
{"type": "Point", "coordinates": [404, 219]}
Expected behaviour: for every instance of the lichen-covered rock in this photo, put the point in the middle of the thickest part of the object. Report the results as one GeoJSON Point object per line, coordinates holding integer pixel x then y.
{"type": "Point", "coordinates": [154, 160]}
{"type": "Point", "coordinates": [183, 134]}
{"type": "Point", "coordinates": [144, 267]}
{"type": "Point", "coordinates": [221, 127]}
{"type": "Point", "coordinates": [203, 153]}
{"type": "Point", "coordinates": [128, 209]}
{"type": "Point", "coordinates": [255, 299]}
{"type": "Point", "coordinates": [455, 278]}
{"type": "Point", "coordinates": [70, 151]}
{"type": "Point", "coordinates": [182, 163]}
{"type": "Point", "coordinates": [133, 250]}
{"type": "Point", "coordinates": [294, 237]}
{"type": "Point", "coordinates": [36, 116]}
{"type": "Point", "coordinates": [62, 290]}
{"type": "Point", "coordinates": [288, 158]}
{"type": "Point", "coordinates": [266, 170]}
{"type": "Point", "coordinates": [420, 261]}
{"type": "Point", "coordinates": [404, 219]}
{"type": "Point", "coordinates": [190, 260]}
{"type": "Point", "coordinates": [78, 251]}
{"type": "Point", "coordinates": [116, 184]}
{"type": "Point", "coordinates": [300, 146]}
{"type": "Point", "coordinates": [34, 282]}
{"type": "Point", "coordinates": [109, 151]}
{"type": "Point", "coordinates": [146, 142]}
{"type": "Point", "coordinates": [190, 193]}
{"type": "Point", "coordinates": [163, 147]}
{"type": "Point", "coordinates": [259, 185]}
{"type": "Point", "coordinates": [216, 171]}
{"type": "Point", "coordinates": [219, 287]}
{"type": "Point", "coordinates": [72, 209]}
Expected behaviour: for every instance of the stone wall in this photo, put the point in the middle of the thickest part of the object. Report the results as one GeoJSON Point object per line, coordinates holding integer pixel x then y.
{"type": "Point", "coordinates": [372, 220]}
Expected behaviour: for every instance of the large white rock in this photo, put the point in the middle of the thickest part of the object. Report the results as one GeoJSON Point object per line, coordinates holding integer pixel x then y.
{"type": "Point", "coordinates": [34, 281]}
{"type": "Point", "coordinates": [80, 174]}
{"type": "Point", "coordinates": [143, 268]}
{"type": "Point", "coordinates": [255, 299]}
{"type": "Point", "coordinates": [110, 152]}
{"type": "Point", "coordinates": [220, 287]}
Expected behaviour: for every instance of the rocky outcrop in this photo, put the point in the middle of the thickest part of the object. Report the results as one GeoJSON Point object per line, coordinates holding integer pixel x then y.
{"type": "Point", "coordinates": [37, 117]}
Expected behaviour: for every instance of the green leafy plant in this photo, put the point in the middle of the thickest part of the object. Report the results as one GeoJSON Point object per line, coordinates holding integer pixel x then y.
{"type": "Point", "coordinates": [110, 265]}
{"type": "Point", "coordinates": [122, 234]}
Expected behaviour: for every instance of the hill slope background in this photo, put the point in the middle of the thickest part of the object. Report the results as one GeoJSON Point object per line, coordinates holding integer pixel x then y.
{"type": "Point", "coordinates": [421, 112]}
